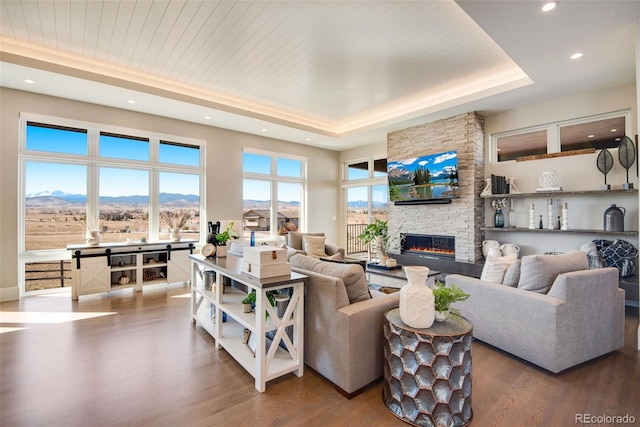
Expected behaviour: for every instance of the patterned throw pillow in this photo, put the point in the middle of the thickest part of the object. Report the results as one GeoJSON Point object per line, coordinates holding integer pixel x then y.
{"type": "Point", "coordinates": [619, 254]}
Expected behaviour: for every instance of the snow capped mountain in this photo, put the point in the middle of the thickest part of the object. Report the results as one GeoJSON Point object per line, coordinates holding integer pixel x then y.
{"type": "Point", "coordinates": [54, 193]}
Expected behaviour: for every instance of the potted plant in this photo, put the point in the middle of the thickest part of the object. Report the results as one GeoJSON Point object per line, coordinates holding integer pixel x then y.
{"type": "Point", "coordinates": [443, 298]}
{"type": "Point", "coordinates": [222, 239]}
{"type": "Point", "coordinates": [176, 221]}
{"type": "Point", "coordinates": [376, 235]}
{"type": "Point", "coordinates": [250, 301]}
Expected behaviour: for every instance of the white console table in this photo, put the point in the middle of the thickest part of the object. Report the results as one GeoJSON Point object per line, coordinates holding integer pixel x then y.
{"type": "Point", "coordinates": [219, 312]}
{"type": "Point", "coordinates": [98, 269]}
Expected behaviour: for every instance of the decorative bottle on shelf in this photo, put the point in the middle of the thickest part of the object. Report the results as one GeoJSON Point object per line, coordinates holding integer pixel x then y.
{"type": "Point", "coordinates": [512, 214]}
{"type": "Point", "coordinates": [498, 218]}
{"type": "Point", "coordinates": [540, 226]}
{"type": "Point", "coordinates": [565, 217]}
{"type": "Point", "coordinates": [532, 217]}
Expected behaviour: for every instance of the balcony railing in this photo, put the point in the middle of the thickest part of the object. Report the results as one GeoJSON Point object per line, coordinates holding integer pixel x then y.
{"type": "Point", "coordinates": [355, 245]}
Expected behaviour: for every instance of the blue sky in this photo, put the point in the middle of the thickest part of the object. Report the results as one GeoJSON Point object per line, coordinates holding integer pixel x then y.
{"type": "Point", "coordinates": [434, 162]}
{"type": "Point", "coordinates": [113, 181]}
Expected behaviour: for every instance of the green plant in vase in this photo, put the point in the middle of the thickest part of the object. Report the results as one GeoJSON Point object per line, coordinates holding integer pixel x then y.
{"type": "Point", "coordinates": [443, 298]}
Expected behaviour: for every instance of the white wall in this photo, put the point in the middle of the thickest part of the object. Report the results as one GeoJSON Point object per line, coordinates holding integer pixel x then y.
{"type": "Point", "coordinates": [223, 167]}
{"type": "Point", "coordinates": [576, 172]}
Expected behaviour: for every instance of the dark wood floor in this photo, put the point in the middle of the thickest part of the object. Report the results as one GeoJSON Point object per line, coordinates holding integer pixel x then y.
{"type": "Point", "coordinates": [144, 364]}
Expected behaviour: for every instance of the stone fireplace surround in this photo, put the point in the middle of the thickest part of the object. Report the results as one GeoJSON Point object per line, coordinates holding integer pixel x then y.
{"type": "Point", "coordinates": [463, 217]}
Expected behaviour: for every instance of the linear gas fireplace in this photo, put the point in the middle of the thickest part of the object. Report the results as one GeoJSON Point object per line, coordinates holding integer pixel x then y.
{"type": "Point", "coordinates": [428, 245]}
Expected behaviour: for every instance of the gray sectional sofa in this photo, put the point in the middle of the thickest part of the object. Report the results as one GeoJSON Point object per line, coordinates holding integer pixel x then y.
{"type": "Point", "coordinates": [580, 317]}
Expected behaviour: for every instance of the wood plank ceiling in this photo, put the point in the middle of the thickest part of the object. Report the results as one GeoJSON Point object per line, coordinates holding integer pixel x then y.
{"type": "Point", "coordinates": [338, 66]}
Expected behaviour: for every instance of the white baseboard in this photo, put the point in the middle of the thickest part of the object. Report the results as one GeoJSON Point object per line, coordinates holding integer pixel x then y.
{"type": "Point", "coordinates": [9, 294]}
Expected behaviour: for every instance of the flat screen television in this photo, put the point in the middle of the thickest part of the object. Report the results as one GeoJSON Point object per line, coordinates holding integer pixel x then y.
{"type": "Point", "coordinates": [432, 178]}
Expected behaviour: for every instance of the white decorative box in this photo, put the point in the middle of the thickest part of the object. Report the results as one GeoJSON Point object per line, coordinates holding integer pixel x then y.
{"type": "Point", "coordinates": [265, 271]}
{"type": "Point", "coordinates": [264, 255]}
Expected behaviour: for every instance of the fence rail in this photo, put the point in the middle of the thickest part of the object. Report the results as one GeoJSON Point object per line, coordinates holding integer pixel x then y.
{"type": "Point", "coordinates": [47, 275]}
{"type": "Point", "coordinates": [355, 245]}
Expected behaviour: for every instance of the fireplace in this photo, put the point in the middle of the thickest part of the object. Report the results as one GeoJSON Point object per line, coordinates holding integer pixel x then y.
{"type": "Point", "coordinates": [428, 245]}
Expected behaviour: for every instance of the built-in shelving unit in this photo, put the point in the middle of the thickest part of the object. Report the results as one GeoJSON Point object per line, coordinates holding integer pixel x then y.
{"type": "Point", "coordinates": [546, 230]}
{"type": "Point", "coordinates": [558, 193]}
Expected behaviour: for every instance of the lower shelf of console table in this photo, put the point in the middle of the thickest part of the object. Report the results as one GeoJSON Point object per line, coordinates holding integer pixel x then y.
{"type": "Point", "coordinates": [219, 312]}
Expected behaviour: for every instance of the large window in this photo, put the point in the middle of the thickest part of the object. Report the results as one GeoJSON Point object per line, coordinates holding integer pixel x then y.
{"type": "Point", "coordinates": [71, 171]}
{"type": "Point", "coordinates": [273, 193]}
{"type": "Point", "coordinates": [367, 198]}
{"type": "Point", "coordinates": [594, 132]}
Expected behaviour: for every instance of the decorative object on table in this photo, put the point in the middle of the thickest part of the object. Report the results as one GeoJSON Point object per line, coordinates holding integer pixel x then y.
{"type": "Point", "coordinates": [540, 226]}
{"type": "Point", "coordinates": [559, 224]}
{"type": "Point", "coordinates": [265, 261]}
{"type": "Point", "coordinates": [532, 217]}
{"type": "Point", "coordinates": [124, 279]}
{"type": "Point", "coordinates": [208, 250]}
{"type": "Point", "coordinates": [498, 217]}
{"type": "Point", "coordinates": [488, 245]}
{"type": "Point", "coordinates": [222, 239]}
{"type": "Point", "coordinates": [513, 188]}
{"type": "Point", "coordinates": [550, 214]}
{"type": "Point", "coordinates": [416, 298]}
{"type": "Point", "coordinates": [565, 217]}
{"type": "Point", "coordinates": [176, 221]}
{"type": "Point", "coordinates": [626, 155]}
{"type": "Point", "coordinates": [444, 296]}
{"type": "Point", "coordinates": [93, 225]}
{"type": "Point", "coordinates": [613, 219]}
{"type": "Point", "coordinates": [391, 262]}
{"type": "Point", "coordinates": [376, 235]}
{"type": "Point", "coordinates": [604, 161]}
{"type": "Point", "coordinates": [512, 214]}
{"type": "Point", "coordinates": [549, 181]}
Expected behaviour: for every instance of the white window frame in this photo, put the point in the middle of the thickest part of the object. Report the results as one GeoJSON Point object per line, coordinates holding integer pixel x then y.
{"type": "Point", "coordinates": [369, 182]}
{"type": "Point", "coordinates": [93, 162]}
{"type": "Point", "coordinates": [553, 131]}
{"type": "Point", "coordinates": [273, 178]}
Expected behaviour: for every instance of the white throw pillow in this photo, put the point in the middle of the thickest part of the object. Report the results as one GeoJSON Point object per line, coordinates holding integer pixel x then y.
{"type": "Point", "coordinates": [313, 245]}
{"type": "Point", "coordinates": [495, 267]}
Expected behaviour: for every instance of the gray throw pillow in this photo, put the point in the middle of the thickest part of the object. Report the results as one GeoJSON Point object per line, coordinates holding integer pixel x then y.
{"type": "Point", "coordinates": [538, 272]}
{"type": "Point", "coordinates": [512, 276]}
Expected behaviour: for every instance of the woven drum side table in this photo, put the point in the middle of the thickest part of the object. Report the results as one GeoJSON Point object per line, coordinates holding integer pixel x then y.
{"type": "Point", "coordinates": [427, 372]}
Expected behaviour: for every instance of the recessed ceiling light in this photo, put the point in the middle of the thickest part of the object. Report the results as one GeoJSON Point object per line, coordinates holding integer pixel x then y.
{"type": "Point", "coordinates": [576, 55]}
{"type": "Point", "coordinates": [614, 130]}
{"type": "Point", "coordinates": [618, 139]}
{"type": "Point", "coordinates": [264, 130]}
{"type": "Point", "coordinates": [207, 117]}
{"type": "Point", "coordinates": [549, 6]}
{"type": "Point", "coordinates": [28, 81]}
{"type": "Point", "coordinates": [131, 101]}
{"type": "Point", "coordinates": [308, 139]}
{"type": "Point", "coordinates": [591, 136]}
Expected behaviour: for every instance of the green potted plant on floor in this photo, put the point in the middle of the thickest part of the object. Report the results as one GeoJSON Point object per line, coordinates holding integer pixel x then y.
{"type": "Point", "coordinates": [376, 235]}
{"type": "Point", "coordinates": [443, 298]}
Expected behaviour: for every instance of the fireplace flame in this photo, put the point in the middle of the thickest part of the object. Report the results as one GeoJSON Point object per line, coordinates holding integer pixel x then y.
{"type": "Point", "coordinates": [431, 250]}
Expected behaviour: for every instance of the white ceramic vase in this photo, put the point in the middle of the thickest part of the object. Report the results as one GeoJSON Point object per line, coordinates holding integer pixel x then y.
{"type": "Point", "coordinates": [93, 238]}
{"type": "Point", "coordinates": [441, 316]}
{"type": "Point", "coordinates": [175, 235]}
{"type": "Point", "coordinates": [416, 298]}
